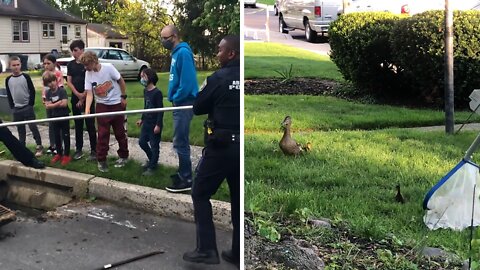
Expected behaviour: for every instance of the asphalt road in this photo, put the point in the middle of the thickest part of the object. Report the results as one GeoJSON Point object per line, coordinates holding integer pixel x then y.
{"type": "Point", "coordinates": [90, 235]}
{"type": "Point", "coordinates": [256, 30]}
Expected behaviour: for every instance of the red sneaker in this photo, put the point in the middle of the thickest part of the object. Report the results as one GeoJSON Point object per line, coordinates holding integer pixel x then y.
{"type": "Point", "coordinates": [56, 159]}
{"type": "Point", "coordinates": [66, 160]}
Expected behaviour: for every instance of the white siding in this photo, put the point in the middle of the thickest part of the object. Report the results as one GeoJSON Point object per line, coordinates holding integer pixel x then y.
{"type": "Point", "coordinates": [97, 40]}
{"type": "Point", "coordinates": [37, 44]}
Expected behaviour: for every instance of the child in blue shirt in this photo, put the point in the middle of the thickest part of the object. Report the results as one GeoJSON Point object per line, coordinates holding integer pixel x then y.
{"type": "Point", "coordinates": [151, 123]}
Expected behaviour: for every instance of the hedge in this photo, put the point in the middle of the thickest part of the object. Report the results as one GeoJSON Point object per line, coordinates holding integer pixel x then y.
{"type": "Point", "coordinates": [418, 47]}
{"type": "Point", "coordinates": [404, 57]}
{"type": "Point", "coordinates": [361, 50]}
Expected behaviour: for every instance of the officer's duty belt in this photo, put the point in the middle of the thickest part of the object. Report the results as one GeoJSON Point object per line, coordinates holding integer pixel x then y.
{"type": "Point", "coordinates": [235, 138]}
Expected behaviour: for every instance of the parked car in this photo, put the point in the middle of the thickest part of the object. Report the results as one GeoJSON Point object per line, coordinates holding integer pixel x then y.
{"type": "Point", "coordinates": [312, 16]}
{"type": "Point", "coordinates": [276, 7]}
{"type": "Point", "coordinates": [3, 66]}
{"type": "Point", "coordinates": [128, 66]}
{"type": "Point", "coordinates": [251, 3]}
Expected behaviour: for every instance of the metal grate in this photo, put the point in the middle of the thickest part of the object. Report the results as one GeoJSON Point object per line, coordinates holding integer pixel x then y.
{"type": "Point", "coordinates": [6, 215]}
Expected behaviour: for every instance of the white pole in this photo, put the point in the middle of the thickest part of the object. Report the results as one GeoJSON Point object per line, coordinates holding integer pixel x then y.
{"type": "Point", "coordinates": [267, 27]}
{"type": "Point", "coordinates": [74, 117]}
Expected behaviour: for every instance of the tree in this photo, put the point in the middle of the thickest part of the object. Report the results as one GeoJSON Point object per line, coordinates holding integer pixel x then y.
{"type": "Point", "coordinates": [142, 22]}
{"type": "Point", "coordinates": [203, 23]}
{"type": "Point", "coordinates": [221, 17]}
{"type": "Point", "coordinates": [89, 10]}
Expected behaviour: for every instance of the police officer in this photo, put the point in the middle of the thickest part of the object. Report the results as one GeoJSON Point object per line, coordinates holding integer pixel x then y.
{"type": "Point", "coordinates": [18, 149]}
{"type": "Point", "coordinates": [220, 99]}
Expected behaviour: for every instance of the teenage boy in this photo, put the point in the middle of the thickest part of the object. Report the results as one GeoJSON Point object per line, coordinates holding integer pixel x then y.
{"type": "Point", "coordinates": [21, 98]}
{"type": "Point", "coordinates": [76, 82]}
{"type": "Point", "coordinates": [107, 85]}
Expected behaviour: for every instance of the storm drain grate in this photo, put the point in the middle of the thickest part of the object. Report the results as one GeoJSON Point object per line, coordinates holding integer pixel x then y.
{"type": "Point", "coordinates": [6, 215]}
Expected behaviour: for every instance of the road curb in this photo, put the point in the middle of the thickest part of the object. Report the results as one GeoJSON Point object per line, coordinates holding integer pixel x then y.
{"type": "Point", "coordinates": [155, 200]}
{"type": "Point", "coordinates": [83, 185]}
{"type": "Point", "coordinates": [269, 7]}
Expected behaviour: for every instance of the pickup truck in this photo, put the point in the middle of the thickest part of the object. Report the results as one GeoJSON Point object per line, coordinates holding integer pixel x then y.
{"type": "Point", "coordinates": [311, 16]}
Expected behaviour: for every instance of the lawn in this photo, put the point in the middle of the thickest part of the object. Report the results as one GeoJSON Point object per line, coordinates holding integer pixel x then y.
{"type": "Point", "coordinates": [268, 2]}
{"type": "Point", "coordinates": [129, 174]}
{"type": "Point", "coordinates": [264, 113]}
{"type": "Point", "coordinates": [262, 60]}
{"type": "Point", "coordinates": [135, 101]}
{"type": "Point", "coordinates": [351, 176]}
{"type": "Point", "coordinates": [359, 154]}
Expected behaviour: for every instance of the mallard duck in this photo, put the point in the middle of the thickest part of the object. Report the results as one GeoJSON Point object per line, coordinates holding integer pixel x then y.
{"type": "Point", "coordinates": [399, 198]}
{"type": "Point", "coordinates": [288, 145]}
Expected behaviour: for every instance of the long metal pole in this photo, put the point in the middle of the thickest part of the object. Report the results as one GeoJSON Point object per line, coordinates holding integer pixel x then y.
{"type": "Point", "coordinates": [449, 91]}
{"type": "Point", "coordinates": [267, 25]}
{"type": "Point", "coordinates": [55, 119]}
{"type": "Point", "coordinates": [472, 148]}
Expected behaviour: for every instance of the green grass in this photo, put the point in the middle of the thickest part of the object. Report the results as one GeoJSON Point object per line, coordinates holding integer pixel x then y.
{"type": "Point", "coordinates": [135, 101]}
{"type": "Point", "coordinates": [263, 59]}
{"type": "Point", "coordinates": [359, 155]}
{"type": "Point", "coordinates": [351, 176]}
{"type": "Point", "coordinates": [266, 112]}
{"type": "Point", "coordinates": [268, 2]}
{"type": "Point", "coordinates": [131, 173]}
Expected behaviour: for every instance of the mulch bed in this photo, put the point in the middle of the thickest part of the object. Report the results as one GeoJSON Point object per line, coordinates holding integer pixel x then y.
{"type": "Point", "coordinates": [296, 86]}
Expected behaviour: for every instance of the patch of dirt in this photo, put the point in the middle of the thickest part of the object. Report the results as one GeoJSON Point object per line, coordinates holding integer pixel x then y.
{"type": "Point", "coordinates": [296, 86]}
{"type": "Point", "coordinates": [318, 87]}
{"type": "Point", "coordinates": [334, 248]}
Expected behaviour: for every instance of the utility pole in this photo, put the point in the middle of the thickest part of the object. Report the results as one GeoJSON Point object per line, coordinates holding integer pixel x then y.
{"type": "Point", "coordinates": [449, 91]}
{"type": "Point", "coordinates": [267, 25]}
{"type": "Point", "coordinates": [345, 5]}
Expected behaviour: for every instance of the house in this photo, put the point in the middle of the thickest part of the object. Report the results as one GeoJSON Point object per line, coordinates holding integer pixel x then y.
{"type": "Point", "coordinates": [102, 35]}
{"type": "Point", "coordinates": [32, 28]}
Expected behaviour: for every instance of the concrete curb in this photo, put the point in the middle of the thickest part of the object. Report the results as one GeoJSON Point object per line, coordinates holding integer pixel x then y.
{"type": "Point", "coordinates": [155, 200]}
{"type": "Point", "coordinates": [82, 185]}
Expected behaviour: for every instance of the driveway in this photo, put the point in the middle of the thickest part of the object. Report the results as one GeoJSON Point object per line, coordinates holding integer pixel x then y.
{"type": "Point", "coordinates": [255, 20]}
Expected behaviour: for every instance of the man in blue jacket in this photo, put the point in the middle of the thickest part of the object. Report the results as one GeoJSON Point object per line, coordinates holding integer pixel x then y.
{"type": "Point", "coordinates": [182, 91]}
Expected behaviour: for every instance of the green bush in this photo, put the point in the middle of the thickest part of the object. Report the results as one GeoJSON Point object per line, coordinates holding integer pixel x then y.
{"type": "Point", "coordinates": [418, 47]}
{"type": "Point", "coordinates": [360, 48]}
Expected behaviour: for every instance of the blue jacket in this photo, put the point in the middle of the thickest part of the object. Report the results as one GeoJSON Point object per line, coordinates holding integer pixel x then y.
{"type": "Point", "coordinates": [182, 86]}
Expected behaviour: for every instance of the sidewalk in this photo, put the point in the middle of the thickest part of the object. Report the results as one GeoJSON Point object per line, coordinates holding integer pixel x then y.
{"type": "Point", "coordinates": [168, 156]}
{"type": "Point", "coordinates": [466, 127]}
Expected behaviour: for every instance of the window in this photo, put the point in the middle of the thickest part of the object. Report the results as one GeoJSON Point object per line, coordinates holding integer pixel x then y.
{"type": "Point", "coordinates": [6, 3]}
{"type": "Point", "coordinates": [21, 32]}
{"type": "Point", "coordinates": [64, 34]}
{"type": "Point", "coordinates": [78, 31]}
{"type": "Point", "coordinates": [126, 56]}
{"type": "Point", "coordinates": [48, 30]}
{"type": "Point", "coordinates": [113, 55]}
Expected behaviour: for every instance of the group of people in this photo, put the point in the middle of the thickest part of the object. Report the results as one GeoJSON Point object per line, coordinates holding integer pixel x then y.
{"type": "Point", "coordinates": [98, 87]}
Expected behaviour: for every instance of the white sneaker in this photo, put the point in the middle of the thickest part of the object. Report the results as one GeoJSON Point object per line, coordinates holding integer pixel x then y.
{"type": "Point", "coordinates": [119, 163]}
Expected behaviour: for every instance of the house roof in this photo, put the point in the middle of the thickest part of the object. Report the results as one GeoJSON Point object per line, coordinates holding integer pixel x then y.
{"type": "Point", "coordinates": [38, 9]}
{"type": "Point", "coordinates": [105, 30]}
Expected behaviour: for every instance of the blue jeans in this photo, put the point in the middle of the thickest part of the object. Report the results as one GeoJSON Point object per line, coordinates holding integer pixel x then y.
{"type": "Point", "coordinates": [153, 149]}
{"type": "Point", "coordinates": [181, 142]}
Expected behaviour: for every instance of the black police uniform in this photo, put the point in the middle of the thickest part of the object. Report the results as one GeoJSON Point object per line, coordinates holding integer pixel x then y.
{"type": "Point", "coordinates": [18, 149]}
{"type": "Point", "coordinates": [220, 99]}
